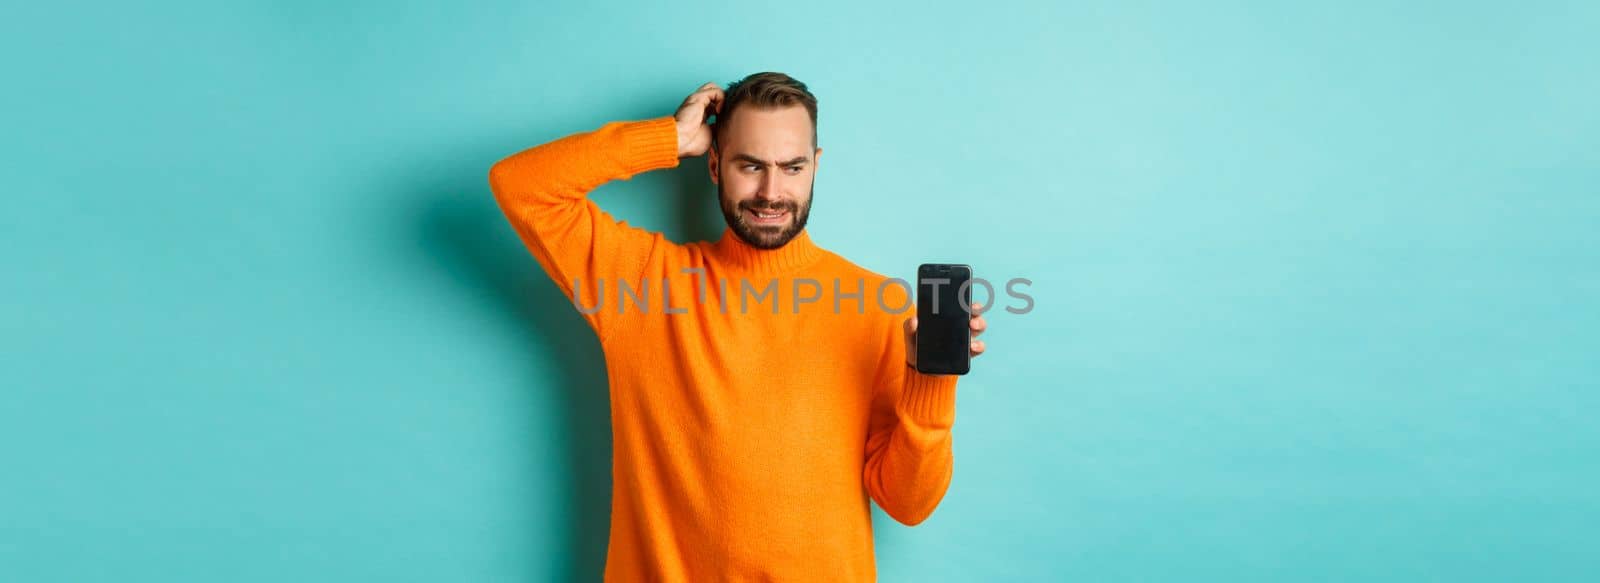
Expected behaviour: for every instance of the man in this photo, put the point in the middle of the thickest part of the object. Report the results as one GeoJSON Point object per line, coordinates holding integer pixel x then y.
{"type": "Point", "coordinates": [747, 434]}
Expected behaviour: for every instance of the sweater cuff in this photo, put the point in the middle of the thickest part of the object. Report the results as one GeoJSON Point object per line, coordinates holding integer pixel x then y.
{"type": "Point", "coordinates": [650, 144]}
{"type": "Point", "coordinates": [928, 400]}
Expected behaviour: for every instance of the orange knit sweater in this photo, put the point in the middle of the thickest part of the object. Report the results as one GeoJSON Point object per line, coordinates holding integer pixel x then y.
{"type": "Point", "coordinates": [756, 403]}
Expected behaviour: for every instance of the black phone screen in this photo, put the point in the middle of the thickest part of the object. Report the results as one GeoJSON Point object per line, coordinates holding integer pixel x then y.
{"type": "Point", "coordinates": [943, 333]}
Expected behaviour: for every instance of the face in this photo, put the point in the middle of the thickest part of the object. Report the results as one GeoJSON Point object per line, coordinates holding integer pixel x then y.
{"type": "Point", "coordinates": [764, 166]}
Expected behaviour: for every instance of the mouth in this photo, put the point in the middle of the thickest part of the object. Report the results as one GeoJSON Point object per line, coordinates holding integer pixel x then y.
{"type": "Point", "coordinates": [767, 217]}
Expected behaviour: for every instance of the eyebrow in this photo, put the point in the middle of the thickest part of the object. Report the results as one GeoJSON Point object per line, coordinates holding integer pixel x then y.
{"type": "Point", "coordinates": [754, 160]}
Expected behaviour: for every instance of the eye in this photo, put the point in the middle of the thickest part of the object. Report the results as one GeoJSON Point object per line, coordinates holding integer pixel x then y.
{"type": "Point", "coordinates": [751, 167]}
{"type": "Point", "coordinates": [794, 169]}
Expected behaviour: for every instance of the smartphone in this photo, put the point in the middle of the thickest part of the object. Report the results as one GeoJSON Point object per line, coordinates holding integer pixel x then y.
{"type": "Point", "coordinates": [944, 333]}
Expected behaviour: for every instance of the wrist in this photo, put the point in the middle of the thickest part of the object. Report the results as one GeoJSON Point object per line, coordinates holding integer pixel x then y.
{"type": "Point", "coordinates": [928, 400]}
{"type": "Point", "coordinates": [683, 139]}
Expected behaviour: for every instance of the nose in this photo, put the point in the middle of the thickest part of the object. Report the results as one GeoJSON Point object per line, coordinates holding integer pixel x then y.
{"type": "Point", "coordinates": [769, 187]}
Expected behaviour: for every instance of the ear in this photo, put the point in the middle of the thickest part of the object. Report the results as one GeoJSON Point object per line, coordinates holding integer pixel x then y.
{"type": "Point", "coordinates": [711, 165]}
{"type": "Point", "coordinates": [816, 159]}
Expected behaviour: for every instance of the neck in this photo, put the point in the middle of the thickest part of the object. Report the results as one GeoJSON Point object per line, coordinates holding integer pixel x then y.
{"type": "Point", "coordinates": [741, 255]}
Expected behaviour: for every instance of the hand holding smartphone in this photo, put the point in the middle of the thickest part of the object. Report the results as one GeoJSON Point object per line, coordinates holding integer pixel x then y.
{"type": "Point", "coordinates": [944, 333]}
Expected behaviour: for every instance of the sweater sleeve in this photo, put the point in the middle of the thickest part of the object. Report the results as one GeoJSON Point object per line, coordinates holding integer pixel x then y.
{"type": "Point", "coordinates": [543, 193]}
{"type": "Point", "coordinates": [909, 459]}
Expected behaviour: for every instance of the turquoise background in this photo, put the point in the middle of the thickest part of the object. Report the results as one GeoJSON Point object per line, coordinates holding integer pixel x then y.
{"type": "Point", "coordinates": [1316, 284]}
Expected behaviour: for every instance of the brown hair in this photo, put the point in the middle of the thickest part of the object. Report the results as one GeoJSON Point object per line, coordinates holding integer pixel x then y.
{"type": "Point", "coordinates": [764, 91]}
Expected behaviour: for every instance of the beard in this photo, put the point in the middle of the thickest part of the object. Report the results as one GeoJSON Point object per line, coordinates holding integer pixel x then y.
{"type": "Point", "coordinates": [765, 236]}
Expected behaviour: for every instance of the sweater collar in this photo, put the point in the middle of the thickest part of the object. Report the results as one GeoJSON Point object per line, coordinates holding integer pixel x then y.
{"type": "Point", "coordinates": [797, 253]}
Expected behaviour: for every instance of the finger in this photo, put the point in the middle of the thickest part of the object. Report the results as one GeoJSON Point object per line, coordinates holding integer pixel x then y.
{"type": "Point", "coordinates": [712, 102]}
{"type": "Point", "coordinates": [911, 324]}
{"type": "Point", "coordinates": [703, 102]}
{"type": "Point", "coordinates": [977, 347]}
{"type": "Point", "coordinates": [977, 308]}
{"type": "Point", "coordinates": [690, 104]}
{"type": "Point", "coordinates": [705, 93]}
{"type": "Point", "coordinates": [978, 325]}
{"type": "Point", "coordinates": [710, 89]}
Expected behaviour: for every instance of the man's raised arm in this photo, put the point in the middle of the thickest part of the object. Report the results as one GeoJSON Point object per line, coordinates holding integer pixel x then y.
{"type": "Point", "coordinates": [544, 193]}
{"type": "Point", "coordinates": [910, 457]}
{"type": "Point", "coordinates": [909, 448]}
